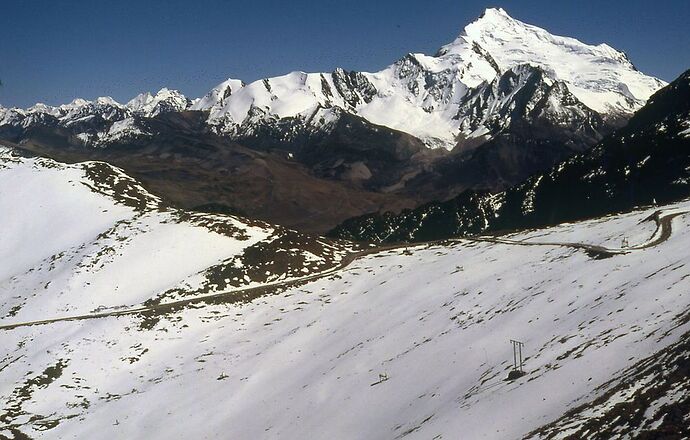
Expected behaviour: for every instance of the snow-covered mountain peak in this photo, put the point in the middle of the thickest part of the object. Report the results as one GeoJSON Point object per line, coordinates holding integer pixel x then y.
{"type": "Point", "coordinates": [166, 93]}
{"type": "Point", "coordinates": [76, 105]}
{"type": "Point", "coordinates": [139, 101]}
{"type": "Point", "coordinates": [64, 108]}
{"type": "Point", "coordinates": [40, 107]}
{"type": "Point", "coordinates": [424, 95]}
{"type": "Point", "coordinates": [600, 76]}
{"type": "Point", "coordinates": [218, 95]}
{"type": "Point", "coordinates": [495, 15]}
{"type": "Point", "coordinates": [107, 100]}
{"type": "Point", "coordinates": [166, 100]}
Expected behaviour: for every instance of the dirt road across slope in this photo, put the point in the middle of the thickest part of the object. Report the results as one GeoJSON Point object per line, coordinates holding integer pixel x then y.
{"type": "Point", "coordinates": [661, 234]}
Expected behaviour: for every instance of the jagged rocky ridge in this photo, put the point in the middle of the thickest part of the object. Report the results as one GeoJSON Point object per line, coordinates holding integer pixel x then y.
{"type": "Point", "coordinates": [644, 163]}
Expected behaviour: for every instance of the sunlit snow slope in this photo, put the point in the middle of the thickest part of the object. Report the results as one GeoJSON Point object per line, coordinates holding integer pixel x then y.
{"type": "Point", "coordinates": [83, 238]}
{"type": "Point", "coordinates": [304, 361]}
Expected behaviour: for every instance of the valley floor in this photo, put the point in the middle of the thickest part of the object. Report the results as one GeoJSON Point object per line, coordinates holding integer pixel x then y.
{"type": "Point", "coordinates": [411, 342]}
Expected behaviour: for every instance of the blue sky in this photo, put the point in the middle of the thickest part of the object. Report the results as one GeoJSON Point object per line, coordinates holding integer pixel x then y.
{"type": "Point", "coordinates": [54, 51]}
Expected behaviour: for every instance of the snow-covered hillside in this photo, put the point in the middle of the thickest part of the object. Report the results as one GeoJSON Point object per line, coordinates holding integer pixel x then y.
{"type": "Point", "coordinates": [425, 96]}
{"type": "Point", "coordinates": [405, 343]}
{"type": "Point", "coordinates": [84, 238]}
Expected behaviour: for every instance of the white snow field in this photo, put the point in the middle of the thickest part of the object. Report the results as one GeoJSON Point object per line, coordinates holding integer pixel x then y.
{"type": "Point", "coordinates": [304, 361]}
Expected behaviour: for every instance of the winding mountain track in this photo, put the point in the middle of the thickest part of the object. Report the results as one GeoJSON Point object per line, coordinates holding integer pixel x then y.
{"type": "Point", "coordinates": [242, 294]}
{"type": "Point", "coordinates": [661, 234]}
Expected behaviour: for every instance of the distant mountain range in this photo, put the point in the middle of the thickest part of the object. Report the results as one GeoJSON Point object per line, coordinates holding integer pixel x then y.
{"type": "Point", "coordinates": [644, 163]}
{"type": "Point", "coordinates": [308, 150]}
